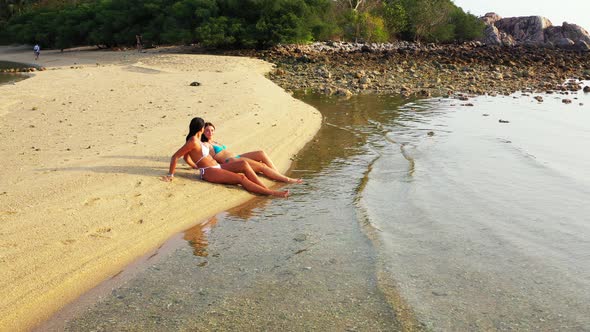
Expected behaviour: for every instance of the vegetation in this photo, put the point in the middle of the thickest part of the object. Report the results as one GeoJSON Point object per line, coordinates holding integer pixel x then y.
{"type": "Point", "coordinates": [231, 23]}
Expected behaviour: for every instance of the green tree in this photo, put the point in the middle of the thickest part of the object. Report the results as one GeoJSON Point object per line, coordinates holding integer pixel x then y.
{"type": "Point", "coordinates": [395, 17]}
{"type": "Point", "coordinates": [467, 25]}
{"type": "Point", "coordinates": [223, 32]}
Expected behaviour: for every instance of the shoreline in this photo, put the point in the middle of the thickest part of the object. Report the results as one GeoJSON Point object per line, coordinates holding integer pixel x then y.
{"type": "Point", "coordinates": [84, 144]}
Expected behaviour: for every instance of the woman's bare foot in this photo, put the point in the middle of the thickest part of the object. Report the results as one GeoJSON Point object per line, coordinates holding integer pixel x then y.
{"type": "Point", "coordinates": [291, 180]}
{"type": "Point", "coordinates": [283, 194]}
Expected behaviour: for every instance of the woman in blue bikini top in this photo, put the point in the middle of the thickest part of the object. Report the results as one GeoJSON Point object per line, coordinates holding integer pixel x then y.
{"type": "Point", "coordinates": [209, 169]}
{"type": "Point", "coordinates": [222, 155]}
{"type": "Point", "coordinates": [258, 160]}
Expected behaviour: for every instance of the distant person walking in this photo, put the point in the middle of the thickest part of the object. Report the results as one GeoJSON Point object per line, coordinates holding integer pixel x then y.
{"type": "Point", "coordinates": [139, 43]}
{"type": "Point", "coordinates": [37, 51]}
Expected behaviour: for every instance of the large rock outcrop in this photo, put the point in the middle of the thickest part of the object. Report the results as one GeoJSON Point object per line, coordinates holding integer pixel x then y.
{"type": "Point", "coordinates": [533, 31]}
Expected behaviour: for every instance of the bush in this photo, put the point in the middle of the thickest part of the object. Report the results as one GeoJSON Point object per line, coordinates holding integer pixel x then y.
{"type": "Point", "coordinates": [223, 32]}
{"type": "Point", "coordinates": [467, 26]}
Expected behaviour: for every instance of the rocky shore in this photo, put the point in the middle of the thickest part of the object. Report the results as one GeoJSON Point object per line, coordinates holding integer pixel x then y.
{"type": "Point", "coordinates": [423, 70]}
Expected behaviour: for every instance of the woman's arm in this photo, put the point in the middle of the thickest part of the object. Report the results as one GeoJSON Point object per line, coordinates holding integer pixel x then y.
{"type": "Point", "coordinates": [189, 161]}
{"type": "Point", "coordinates": [186, 148]}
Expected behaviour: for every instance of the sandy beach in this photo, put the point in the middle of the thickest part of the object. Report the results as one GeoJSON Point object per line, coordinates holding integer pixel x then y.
{"type": "Point", "coordinates": [82, 148]}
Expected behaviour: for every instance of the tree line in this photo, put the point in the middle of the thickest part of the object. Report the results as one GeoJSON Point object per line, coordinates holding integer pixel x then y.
{"type": "Point", "coordinates": [232, 23]}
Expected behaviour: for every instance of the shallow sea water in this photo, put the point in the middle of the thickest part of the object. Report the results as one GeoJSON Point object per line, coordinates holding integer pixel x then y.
{"type": "Point", "coordinates": [413, 215]}
{"type": "Point", "coordinates": [11, 77]}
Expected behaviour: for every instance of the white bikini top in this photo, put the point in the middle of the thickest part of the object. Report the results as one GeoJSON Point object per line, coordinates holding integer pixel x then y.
{"type": "Point", "coordinates": [205, 150]}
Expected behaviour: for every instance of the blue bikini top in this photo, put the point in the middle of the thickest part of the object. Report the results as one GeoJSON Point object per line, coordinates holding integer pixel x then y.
{"type": "Point", "coordinates": [218, 148]}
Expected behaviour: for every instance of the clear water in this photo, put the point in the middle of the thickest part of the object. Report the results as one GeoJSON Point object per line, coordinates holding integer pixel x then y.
{"type": "Point", "coordinates": [413, 215]}
{"type": "Point", "coordinates": [486, 225]}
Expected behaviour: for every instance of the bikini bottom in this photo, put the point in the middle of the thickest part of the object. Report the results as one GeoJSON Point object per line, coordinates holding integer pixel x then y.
{"type": "Point", "coordinates": [237, 157]}
{"type": "Point", "coordinates": [202, 170]}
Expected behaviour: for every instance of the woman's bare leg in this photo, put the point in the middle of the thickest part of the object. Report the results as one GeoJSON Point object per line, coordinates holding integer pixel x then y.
{"type": "Point", "coordinates": [270, 173]}
{"type": "Point", "coordinates": [259, 156]}
{"type": "Point", "coordinates": [242, 166]}
{"type": "Point", "coordinates": [218, 175]}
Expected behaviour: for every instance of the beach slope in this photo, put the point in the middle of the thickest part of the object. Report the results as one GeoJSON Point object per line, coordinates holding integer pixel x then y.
{"type": "Point", "coordinates": [82, 148]}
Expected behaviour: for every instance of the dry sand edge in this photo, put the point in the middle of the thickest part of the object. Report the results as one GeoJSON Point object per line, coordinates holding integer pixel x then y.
{"type": "Point", "coordinates": [82, 147]}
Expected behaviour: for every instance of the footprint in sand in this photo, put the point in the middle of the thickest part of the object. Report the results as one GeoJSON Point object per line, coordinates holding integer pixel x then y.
{"type": "Point", "coordinates": [91, 201]}
{"type": "Point", "coordinates": [101, 233]}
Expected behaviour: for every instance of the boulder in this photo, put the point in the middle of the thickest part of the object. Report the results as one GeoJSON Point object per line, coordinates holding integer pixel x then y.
{"type": "Point", "coordinates": [582, 46]}
{"type": "Point", "coordinates": [491, 18]}
{"type": "Point", "coordinates": [344, 93]}
{"type": "Point", "coordinates": [564, 43]}
{"type": "Point", "coordinates": [529, 29]}
{"type": "Point", "coordinates": [533, 31]}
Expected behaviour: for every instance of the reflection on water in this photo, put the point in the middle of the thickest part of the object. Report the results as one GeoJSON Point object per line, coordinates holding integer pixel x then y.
{"type": "Point", "coordinates": [197, 237]}
{"type": "Point", "coordinates": [347, 125]}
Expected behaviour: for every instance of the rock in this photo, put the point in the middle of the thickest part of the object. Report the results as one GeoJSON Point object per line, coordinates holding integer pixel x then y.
{"type": "Point", "coordinates": [414, 69]}
{"type": "Point", "coordinates": [300, 237]}
{"type": "Point", "coordinates": [533, 31]}
{"type": "Point", "coordinates": [328, 90]}
{"type": "Point", "coordinates": [566, 101]}
{"type": "Point", "coordinates": [582, 46]}
{"type": "Point", "coordinates": [491, 18]}
{"type": "Point", "coordinates": [195, 84]}
{"type": "Point", "coordinates": [587, 89]}
{"type": "Point", "coordinates": [539, 98]}
{"type": "Point", "coordinates": [343, 92]}
{"type": "Point", "coordinates": [529, 29]}
{"type": "Point", "coordinates": [303, 59]}
{"type": "Point", "coordinates": [323, 72]}
{"type": "Point", "coordinates": [503, 121]}
{"type": "Point", "coordinates": [366, 49]}
{"type": "Point", "coordinates": [424, 93]}
{"type": "Point", "coordinates": [564, 43]}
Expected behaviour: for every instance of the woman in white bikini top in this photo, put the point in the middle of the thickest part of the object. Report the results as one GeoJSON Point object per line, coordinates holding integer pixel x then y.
{"type": "Point", "coordinates": [205, 152]}
{"type": "Point", "coordinates": [258, 161]}
{"type": "Point", "coordinates": [209, 169]}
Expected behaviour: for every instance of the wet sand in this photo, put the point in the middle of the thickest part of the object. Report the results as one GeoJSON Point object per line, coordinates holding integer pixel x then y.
{"type": "Point", "coordinates": [83, 145]}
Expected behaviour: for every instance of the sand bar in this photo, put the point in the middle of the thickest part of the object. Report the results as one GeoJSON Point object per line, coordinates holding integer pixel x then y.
{"type": "Point", "coordinates": [82, 147]}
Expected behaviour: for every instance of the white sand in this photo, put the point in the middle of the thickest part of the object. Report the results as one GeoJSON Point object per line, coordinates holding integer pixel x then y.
{"type": "Point", "coordinates": [82, 150]}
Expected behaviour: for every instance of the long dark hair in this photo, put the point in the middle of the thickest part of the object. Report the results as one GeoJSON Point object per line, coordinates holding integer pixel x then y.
{"type": "Point", "coordinates": [204, 138]}
{"type": "Point", "coordinates": [196, 125]}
